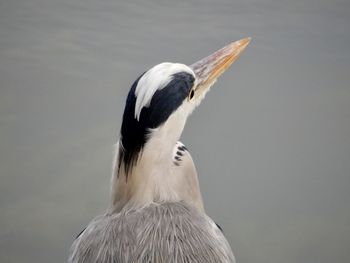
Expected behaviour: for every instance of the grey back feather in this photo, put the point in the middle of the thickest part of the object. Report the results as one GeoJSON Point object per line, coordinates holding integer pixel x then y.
{"type": "Point", "coordinates": [163, 232]}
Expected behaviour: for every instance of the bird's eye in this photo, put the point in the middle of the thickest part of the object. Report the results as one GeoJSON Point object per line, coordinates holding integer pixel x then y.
{"type": "Point", "coordinates": [191, 95]}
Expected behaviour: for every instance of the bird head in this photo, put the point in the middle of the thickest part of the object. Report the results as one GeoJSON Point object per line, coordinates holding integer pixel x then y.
{"type": "Point", "coordinates": [162, 98]}
{"type": "Point", "coordinates": [156, 110]}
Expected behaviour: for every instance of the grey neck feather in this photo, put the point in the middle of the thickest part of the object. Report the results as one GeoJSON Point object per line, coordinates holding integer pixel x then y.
{"type": "Point", "coordinates": [171, 180]}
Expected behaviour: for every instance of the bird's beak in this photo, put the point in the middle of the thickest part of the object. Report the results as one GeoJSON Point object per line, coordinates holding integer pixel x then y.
{"type": "Point", "coordinates": [208, 69]}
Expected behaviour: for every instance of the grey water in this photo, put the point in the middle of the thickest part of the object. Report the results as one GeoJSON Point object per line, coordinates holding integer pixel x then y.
{"type": "Point", "coordinates": [271, 141]}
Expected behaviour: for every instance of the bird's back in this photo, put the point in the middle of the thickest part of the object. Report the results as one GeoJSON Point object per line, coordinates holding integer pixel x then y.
{"type": "Point", "coordinates": [165, 232]}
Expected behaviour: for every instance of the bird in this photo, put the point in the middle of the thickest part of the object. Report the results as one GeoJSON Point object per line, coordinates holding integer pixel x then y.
{"type": "Point", "coordinates": [156, 213]}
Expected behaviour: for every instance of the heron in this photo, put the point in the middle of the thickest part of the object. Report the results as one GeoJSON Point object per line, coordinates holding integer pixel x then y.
{"type": "Point", "coordinates": [156, 213]}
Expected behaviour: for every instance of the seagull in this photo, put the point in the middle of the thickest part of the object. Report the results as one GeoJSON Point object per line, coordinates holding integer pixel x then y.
{"type": "Point", "coordinates": [156, 213]}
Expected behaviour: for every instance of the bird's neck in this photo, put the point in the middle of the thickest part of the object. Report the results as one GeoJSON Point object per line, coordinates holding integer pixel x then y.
{"type": "Point", "coordinates": [156, 177]}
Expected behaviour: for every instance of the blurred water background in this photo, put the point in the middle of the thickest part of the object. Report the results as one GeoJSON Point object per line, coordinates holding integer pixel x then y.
{"type": "Point", "coordinates": [271, 141]}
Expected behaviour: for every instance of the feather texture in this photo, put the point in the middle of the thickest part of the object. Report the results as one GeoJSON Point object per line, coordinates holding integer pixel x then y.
{"type": "Point", "coordinates": [160, 232]}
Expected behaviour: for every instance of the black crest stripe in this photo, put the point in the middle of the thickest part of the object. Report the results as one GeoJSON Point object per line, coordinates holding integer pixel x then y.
{"type": "Point", "coordinates": [134, 133]}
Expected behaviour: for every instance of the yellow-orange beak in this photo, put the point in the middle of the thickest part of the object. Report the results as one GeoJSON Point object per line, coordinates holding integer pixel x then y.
{"type": "Point", "coordinates": [208, 69]}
